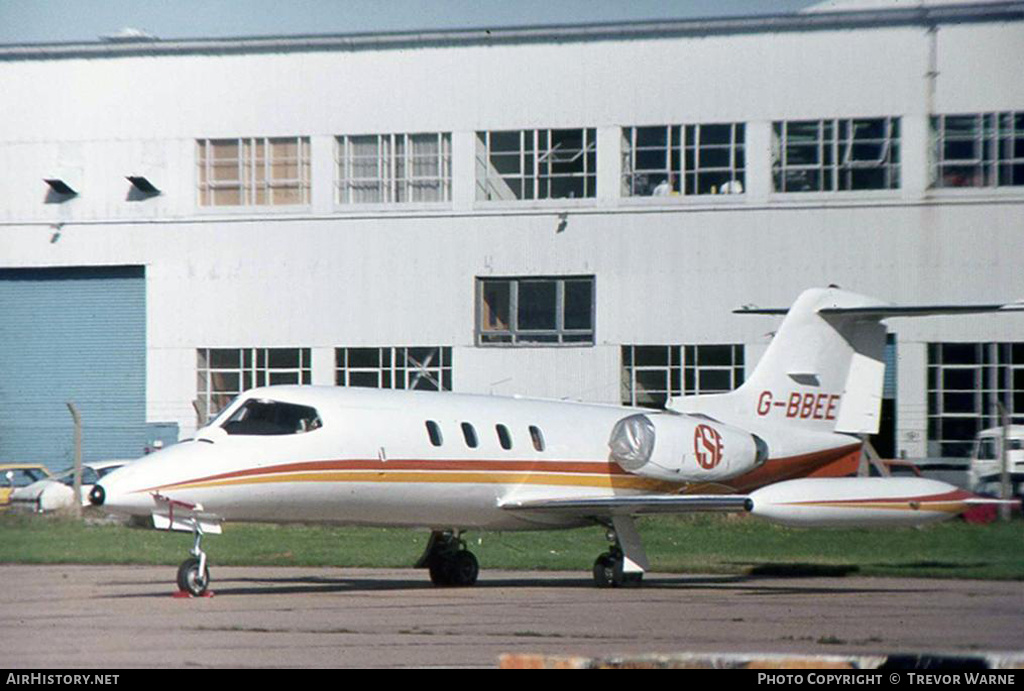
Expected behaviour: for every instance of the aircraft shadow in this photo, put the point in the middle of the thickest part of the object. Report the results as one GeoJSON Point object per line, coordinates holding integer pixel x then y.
{"type": "Point", "coordinates": [753, 584]}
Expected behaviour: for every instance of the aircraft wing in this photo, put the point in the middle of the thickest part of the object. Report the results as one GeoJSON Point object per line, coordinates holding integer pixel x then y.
{"type": "Point", "coordinates": [635, 505]}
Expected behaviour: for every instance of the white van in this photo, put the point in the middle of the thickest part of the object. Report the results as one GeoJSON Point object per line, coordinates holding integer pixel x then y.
{"type": "Point", "coordinates": [986, 461]}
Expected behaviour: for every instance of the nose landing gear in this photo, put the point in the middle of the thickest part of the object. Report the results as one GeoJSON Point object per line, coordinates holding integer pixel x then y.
{"type": "Point", "coordinates": [193, 574]}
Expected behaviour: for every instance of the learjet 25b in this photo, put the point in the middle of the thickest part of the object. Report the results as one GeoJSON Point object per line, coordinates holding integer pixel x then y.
{"type": "Point", "coordinates": [452, 462]}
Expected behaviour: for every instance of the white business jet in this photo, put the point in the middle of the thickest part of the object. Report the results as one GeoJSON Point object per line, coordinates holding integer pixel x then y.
{"type": "Point", "coordinates": [451, 462]}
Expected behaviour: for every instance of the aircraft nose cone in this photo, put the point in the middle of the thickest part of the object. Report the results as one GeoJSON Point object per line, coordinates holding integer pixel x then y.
{"type": "Point", "coordinates": [97, 496]}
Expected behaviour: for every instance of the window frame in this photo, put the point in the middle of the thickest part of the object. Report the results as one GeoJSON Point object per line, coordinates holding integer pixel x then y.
{"type": "Point", "coordinates": [398, 367]}
{"type": "Point", "coordinates": [254, 369]}
{"type": "Point", "coordinates": [685, 370]}
{"type": "Point", "coordinates": [536, 166]}
{"type": "Point", "coordinates": [835, 166]}
{"type": "Point", "coordinates": [996, 371]}
{"type": "Point", "coordinates": [559, 335]}
{"type": "Point", "coordinates": [995, 137]}
{"type": "Point", "coordinates": [255, 181]}
{"type": "Point", "coordinates": [398, 178]}
{"type": "Point", "coordinates": [687, 160]}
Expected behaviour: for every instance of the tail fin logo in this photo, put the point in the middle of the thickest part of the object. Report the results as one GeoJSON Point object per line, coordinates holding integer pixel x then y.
{"type": "Point", "coordinates": [707, 446]}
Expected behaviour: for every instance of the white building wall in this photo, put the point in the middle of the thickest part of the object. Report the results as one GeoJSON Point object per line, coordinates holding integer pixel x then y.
{"type": "Point", "coordinates": [667, 270]}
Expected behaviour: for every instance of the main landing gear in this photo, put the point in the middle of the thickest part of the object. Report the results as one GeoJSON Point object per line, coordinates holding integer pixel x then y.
{"type": "Point", "coordinates": [623, 565]}
{"type": "Point", "coordinates": [448, 560]}
{"type": "Point", "coordinates": [193, 574]}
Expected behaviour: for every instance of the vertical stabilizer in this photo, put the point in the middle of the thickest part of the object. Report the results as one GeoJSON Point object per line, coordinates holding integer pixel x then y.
{"type": "Point", "coordinates": [824, 368]}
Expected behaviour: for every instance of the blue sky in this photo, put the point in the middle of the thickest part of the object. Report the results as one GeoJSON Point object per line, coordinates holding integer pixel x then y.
{"type": "Point", "coordinates": [49, 21]}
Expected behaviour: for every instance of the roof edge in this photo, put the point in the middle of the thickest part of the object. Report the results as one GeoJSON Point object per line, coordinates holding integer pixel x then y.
{"type": "Point", "coordinates": [1009, 10]}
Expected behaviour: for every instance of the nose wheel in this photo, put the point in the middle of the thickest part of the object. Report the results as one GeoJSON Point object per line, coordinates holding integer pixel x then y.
{"type": "Point", "coordinates": [193, 577]}
{"type": "Point", "coordinates": [193, 574]}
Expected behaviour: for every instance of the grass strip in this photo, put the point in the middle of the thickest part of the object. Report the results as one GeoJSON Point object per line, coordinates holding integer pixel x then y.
{"type": "Point", "coordinates": [675, 544]}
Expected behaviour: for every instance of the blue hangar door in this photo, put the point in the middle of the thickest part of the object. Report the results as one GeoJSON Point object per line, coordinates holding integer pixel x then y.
{"type": "Point", "coordinates": [78, 335]}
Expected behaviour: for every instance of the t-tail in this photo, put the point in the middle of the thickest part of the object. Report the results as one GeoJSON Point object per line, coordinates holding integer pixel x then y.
{"type": "Point", "coordinates": [816, 390]}
{"type": "Point", "coordinates": [824, 370]}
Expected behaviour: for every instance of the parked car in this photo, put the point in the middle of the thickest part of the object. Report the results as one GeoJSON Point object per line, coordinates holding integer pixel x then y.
{"type": "Point", "coordinates": [16, 475]}
{"type": "Point", "coordinates": [52, 493]}
{"type": "Point", "coordinates": [986, 468]}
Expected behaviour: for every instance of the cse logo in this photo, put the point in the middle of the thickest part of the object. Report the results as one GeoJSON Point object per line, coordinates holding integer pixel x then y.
{"type": "Point", "coordinates": [707, 446]}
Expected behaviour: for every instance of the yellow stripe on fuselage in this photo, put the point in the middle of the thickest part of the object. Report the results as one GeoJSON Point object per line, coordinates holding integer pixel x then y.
{"type": "Point", "coordinates": [418, 477]}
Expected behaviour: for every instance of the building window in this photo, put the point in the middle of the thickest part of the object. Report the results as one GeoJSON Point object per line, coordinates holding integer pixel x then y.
{"type": "Point", "coordinates": [978, 150]}
{"type": "Point", "coordinates": [261, 171]}
{"type": "Point", "coordinates": [535, 311]}
{"type": "Point", "coordinates": [836, 155]}
{"type": "Point", "coordinates": [966, 384]}
{"type": "Point", "coordinates": [536, 164]}
{"type": "Point", "coordinates": [394, 168]}
{"type": "Point", "coordinates": [223, 373]}
{"type": "Point", "coordinates": [422, 368]}
{"type": "Point", "coordinates": [683, 159]}
{"type": "Point", "coordinates": [651, 375]}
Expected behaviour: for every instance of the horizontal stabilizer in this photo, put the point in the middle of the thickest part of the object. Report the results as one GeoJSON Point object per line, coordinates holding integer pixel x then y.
{"type": "Point", "coordinates": [885, 311]}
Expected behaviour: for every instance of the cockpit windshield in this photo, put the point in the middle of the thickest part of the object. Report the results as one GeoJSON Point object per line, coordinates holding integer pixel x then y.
{"type": "Point", "coordinates": [263, 417]}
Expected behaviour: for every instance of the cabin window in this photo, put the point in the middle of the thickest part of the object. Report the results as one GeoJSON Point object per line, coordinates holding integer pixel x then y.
{"type": "Point", "coordinates": [504, 438]}
{"type": "Point", "coordinates": [469, 434]}
{"type": "Point", "coordinates": [434, 433]}
{"type": "Point", "coordinates": [537, 437]}
{"type": "Point", "coordinates": [272, 418]}
{"type": "Point", "coordinates": [987, 450]}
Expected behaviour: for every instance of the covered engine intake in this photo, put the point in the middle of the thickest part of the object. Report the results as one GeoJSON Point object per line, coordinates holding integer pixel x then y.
{"type": "Point", "coordinates": [684, 448]}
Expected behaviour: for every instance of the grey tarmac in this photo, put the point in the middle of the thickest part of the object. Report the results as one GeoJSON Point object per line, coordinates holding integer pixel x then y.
{"type": "Point", "coordinates": [113, 617]}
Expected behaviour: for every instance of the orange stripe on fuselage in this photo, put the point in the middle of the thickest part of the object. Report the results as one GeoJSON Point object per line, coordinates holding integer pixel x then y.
{"type": "Point", "coordinates": [598, 474]}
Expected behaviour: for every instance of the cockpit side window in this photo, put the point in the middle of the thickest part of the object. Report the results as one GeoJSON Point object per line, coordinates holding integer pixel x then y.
{"type": "Point", "coordinates": [264, 418]}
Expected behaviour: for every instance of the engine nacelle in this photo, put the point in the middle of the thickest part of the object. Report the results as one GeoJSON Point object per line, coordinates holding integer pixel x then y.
{"type": "Point", "coordinates": [684, 448]}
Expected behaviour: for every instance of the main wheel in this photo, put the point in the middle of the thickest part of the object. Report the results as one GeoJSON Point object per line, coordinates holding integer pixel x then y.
{"type": "Point", "coordinates": [464, 569]}
{"type": "Point", "coordinates": [457, 569]}
{"type": "Point", "coordinates": [440, 571]}
{"type": "Point", "coordinates": [604, 571]}
{"type": "Point", "coordinates": [608, 573]}
{"type": "Point", "coordinates": [189, 578]}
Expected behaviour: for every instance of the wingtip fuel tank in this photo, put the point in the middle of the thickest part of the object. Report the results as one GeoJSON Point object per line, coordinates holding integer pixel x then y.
{"type": "Point", "coordinates": [860, 502]}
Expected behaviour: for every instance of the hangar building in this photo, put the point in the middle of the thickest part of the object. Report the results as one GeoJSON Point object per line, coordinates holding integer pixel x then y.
{"type": "Point", "coordinates": [568, 212]}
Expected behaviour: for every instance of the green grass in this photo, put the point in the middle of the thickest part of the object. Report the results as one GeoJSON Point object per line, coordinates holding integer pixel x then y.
{"type": "Point", "coordinates": [688, 544]}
